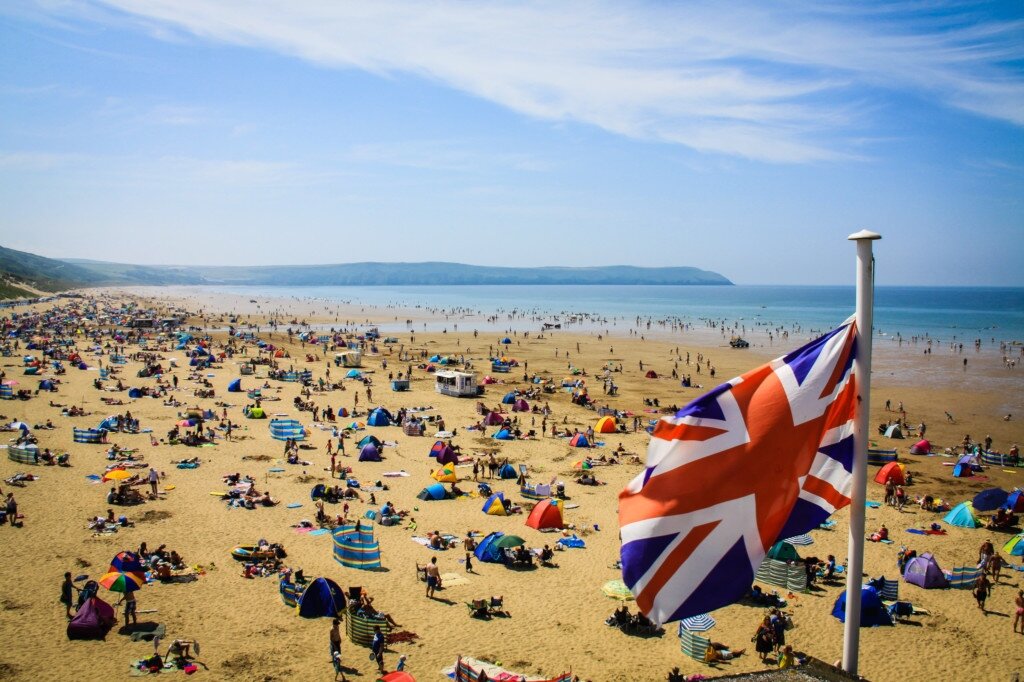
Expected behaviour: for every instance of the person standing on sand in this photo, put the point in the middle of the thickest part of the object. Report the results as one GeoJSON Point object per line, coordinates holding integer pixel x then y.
{"type": "Point", "coordinates": [67, 589]}
{"type": "Point", "coordinates": [336, 649]}
{"type": "Point", "coordinates": [982, 588]}
{"type": "Point", "coordinates": [12, 509]}
{"type": "Point", "coordinates": [470, 545]}
{"type": "Point", "coordinates": [377, 647]}
{"type": "Point", "coordinates": [433, 576]}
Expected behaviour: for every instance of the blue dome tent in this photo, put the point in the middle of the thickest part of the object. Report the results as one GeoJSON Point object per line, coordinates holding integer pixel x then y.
{"type": "Point", "coordinates": [379, 417]}
{"type": "Point", "coordinates": [322, 599]}
{"type": "Point", "coordinates": [235, 386]}
{"type": "Point", "coordinates": [872, 610]}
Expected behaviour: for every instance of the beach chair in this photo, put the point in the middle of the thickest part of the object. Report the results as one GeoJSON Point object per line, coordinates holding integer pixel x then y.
{"type": "Point", "coordinates": [693, 645]}
{"type": "Point", "coordinates": [478, 609]}
{"type": "Point", "coordinates": [496, 607]}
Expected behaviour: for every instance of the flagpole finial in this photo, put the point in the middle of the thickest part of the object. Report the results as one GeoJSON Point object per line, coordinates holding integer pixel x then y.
{"type": "Point", "coordinates": [864, 234]}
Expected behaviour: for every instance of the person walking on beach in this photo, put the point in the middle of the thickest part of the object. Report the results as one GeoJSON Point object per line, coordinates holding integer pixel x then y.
{"type": "Point", "coordinates": [336, 649]}
{"type": "Point", "coordinates": [433, 576]}
{"type": "Point", "coordinates": [12, 509]}
{"type": "Point", "coordinates": [470, 545]}
{"type": "Point", "coordinates": [154, 479]}
{"type": "Point", "coordinates": [377, 647]}
{"type": "Point", "coordinates": [1019, 612]}
{"type": "Point", "coordinates": [982, 588]}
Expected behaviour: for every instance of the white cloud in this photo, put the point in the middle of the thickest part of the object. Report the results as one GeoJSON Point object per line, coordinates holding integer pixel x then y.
{"type": "Point", "coordinates": [783, 82]}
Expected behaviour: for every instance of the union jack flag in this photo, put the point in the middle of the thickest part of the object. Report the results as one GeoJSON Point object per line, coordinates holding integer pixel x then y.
{"type": "Point", "coordinates": [765, 456]}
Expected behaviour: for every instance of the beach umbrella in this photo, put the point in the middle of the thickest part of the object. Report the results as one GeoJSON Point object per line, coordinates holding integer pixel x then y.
{"type": "Point", "coordinates": [616, 589]}
{"type": "Point", "coordinates": [508, 541]}
{"type": "Point", "coordinates": [20, 425]}
{"type": "Point", "coordinates": [397, 676]}
{"type": "Point", "coordinates": [1015, 547]}
{"type": "Point", "coordinates": [800, 540]}
{"type": "Point", "coordinates": [126, 562]}
{"type": "Point", "coordinates": [116, 475]}
{"type": "Point", "coordinates": [699, 623]}
{"type": "Point", "coordinates": [990, 499]}
{"type": "Point", "coordinates": [118, 581]}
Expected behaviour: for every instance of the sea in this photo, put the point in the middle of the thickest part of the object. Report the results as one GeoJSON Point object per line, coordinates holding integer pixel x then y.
{"type": "Point", "coordinates": [940, 314]}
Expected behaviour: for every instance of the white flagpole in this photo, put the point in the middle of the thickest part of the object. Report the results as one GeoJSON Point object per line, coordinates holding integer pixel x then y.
{"type": "Point", "coordinates": [862, 374]}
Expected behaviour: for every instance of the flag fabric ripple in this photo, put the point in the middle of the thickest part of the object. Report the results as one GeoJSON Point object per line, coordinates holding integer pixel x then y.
{"type": "Point", "coordinates": [765, 456]}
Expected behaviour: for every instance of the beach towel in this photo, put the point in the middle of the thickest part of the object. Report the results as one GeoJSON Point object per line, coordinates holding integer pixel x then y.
{"type": "Point", "coordinates": [872, 505]}
{"type": "Point", "coordinates": [293, 505]}
{"type": "Point", "coordinates": [453, 580]}
{"type": "Point", "coordinates": [320, 531]}
{"type": "Point", "coordinates": [922, 531]}
{"type": "Point", "coordinates": [395, 474]}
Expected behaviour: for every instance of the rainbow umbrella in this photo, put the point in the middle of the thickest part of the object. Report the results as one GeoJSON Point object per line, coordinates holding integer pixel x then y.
{"type": "Point", "coordinates": [116, 475]}
{"type": "Point", "coordinates": [126, 562]}
{"type": "Point", "coordinates": [118, 581]}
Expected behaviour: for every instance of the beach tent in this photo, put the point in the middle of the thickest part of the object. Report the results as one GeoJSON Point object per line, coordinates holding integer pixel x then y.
{"type": "Point", "coordinates": [606, 425]}
{"type": "Point", "coordinates": [134, 392]}
{"type": "Point", "coordinates": [438, 447]}
{"type": "Point", "coordinates": [434, 491]}
{"type": "Point", "coordinates": [368, 440]}
{"type": "Point", "coordinates": [93, 620]}
{"type": "Point", "coordinates": [46, 385]}
{"type": "Point", "coordinates": [872, 610]}
{"type": "Point", "coordinates": [921, 447]}
{"type": "Point", "coordinates": [487, 551]}
{"type": "Point", "coordinates": [355, 547]}
{"type": "Point", "coordinates": [964, 467]}
{"type": "Point", "coordinates": [783, 551]}
{"type": "Point", "coordinates": [235, 386]}
{"type": "Point", "coordinates": [521, 406]}
{"type": "Point", "coordinates": [651, 374]}
{"type": "Point", "coordinates": [446, 474]}
{"type": "Point", "coordinates": [547, 514]}
{"type": "Point", "coordinates": [283, 429]}
{"type": "Point", "coordinates": [444, 453]}
{"type": "Point", "coordinates": [379, 417]}
{"type": "Point", "coordinates": [579, 441]}
{"type": "Point", "coordinates": [322, 599]}
{"type": "Point", "coordinates": [493, 419]}
{"type": "Point", "coordinates": [256, 413]}
{"type": "Point", "coordinates": [397, 676]}
{"type": "Point", "coordinates": [962, 516]}
{"type": "Point", "coordinates": [1015, 501]}
{"type": "Point", "coordinates": [503, 434]}
{"type": "Point", "coordinates": [109, 424]}
{"type": "Point", "coordinates": [495, 505]}
{"type": "Point", "coordinates": [990, 499]}
{"type": "Point", "coordinates": [894, 431]}
{"type": "Point", "coordinates": [507, 471]}
{"type": "Point", "coordinates": [1015, 546]}
{"type": "Point", "coordinates": [893, 470]}
{"type": "Point", "coordinates": [509, 398]}
{"type": "Point", "coordinates": [353, 374]}
{"type": "Point", "coordinates": [507, 341]}
{"type": "Point", "coordinates": [924, 571]}
{"type": "Point", "coordinates": [369, 453]}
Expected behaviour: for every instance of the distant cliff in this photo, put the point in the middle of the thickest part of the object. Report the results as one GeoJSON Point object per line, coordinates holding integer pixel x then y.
{"type": "Point", "coordinates": [49, 274]}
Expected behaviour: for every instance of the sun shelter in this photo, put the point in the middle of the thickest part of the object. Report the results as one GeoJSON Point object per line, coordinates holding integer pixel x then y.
{"type": "Point", "coordinates": [507, 471]}
{"type": "Point", "coordinates": [520, 405]}
{"type": "Point", "coordinates": [547, 514]}
{"type": "Point", "coordinates": [434, 491]}
{"type": "Point", "coordinates": [255, 413]}
{"type": "Point", "coordinates": [990, 499]}
{"type": "Point", "coordinates": [93, 620]}
{"type": "Point", "coordinates": [488, 551]}
{"type": "Point", "coordinates": [322, 599]}
{"type": "Point", "coordinates": [235, 386]}
{"type": "Point", "coordinates": [894, 431]}
{"type": "Point", "coordinates": [872, 610]}
{"type": "Point", "coordinates": [894, 471]}
{"type": "Point", "coordinates": [783, 551]}
{"type": "Point", "coordinates": [924, 571]}
{"type": "Point", "coordinates": [606, 425]}
{"type": "Point", "coordinates": [24, 454]}
{"type": "Point", "coordinates": [495, 505]}
{"type": "Point", "coordinates": [965, 466]}
{"type": "Point", "coordinates": [355, 547]}
{"type": "Point", "coordinates": [509, 398]}
{"type": "Point", "coordinates": [962, 516]}
{"type": "Point", "coordinates": [283, 429]}
{"type": "Point", "coordinates": [353, 374]}
{"type": "Point", "coordinates": [503, 434]}
{"type": "Point", "coordinates": [369, 453]}
{"type": "Point", "coordinates": [651, 374]}
{"type": "Point", "coordinates": [579, 441]}
{"type": "Point", "coordinates": [369, 439]}
{"type": "Point", "coordinates": [1015, 546]}
{"type": "Point", "coordinates": [438, 447]}
{"type": "Point", "coordinates": [494, 419]}
{"type": "Point", "coordinates": [446, 474]}
{"type": "Point", "coordinates": [448, 456]}
{"type": "Point", "coordinates": [507, 341]}
{"type": "Point", "coordinates": [1015, 501]}
{"type": "Point", "coordinates": [379, 417]}
{"type": "Point", "coordinates": [921, 447]}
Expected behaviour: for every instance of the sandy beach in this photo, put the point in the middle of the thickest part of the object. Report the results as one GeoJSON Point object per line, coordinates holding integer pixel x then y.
{"type": "Point", "coordinates": [557, 614]}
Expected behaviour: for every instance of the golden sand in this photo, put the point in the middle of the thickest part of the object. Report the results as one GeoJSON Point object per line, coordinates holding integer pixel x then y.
{"type": "Point", "coordinates": [557, 614]}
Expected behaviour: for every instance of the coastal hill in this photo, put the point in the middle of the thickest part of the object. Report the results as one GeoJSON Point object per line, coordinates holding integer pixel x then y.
{"type": "Point", "coordinates": [50, 274]}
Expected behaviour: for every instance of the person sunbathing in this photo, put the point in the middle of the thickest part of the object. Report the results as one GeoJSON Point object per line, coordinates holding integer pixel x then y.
{"type": "Point", "coordinates": [367, 609]}
{"type": "Point", "coordinates": [720, 652]}
{"type": "Point", "coordinates": [880, 534]}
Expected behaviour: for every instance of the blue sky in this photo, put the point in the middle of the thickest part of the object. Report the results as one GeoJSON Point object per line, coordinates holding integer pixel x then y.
{"type": "Point", "coordinates": [747, 138]}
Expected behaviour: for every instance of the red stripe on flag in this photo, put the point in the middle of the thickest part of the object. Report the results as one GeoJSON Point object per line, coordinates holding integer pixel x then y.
{"type": "Point", "coordinates": [671, 563]}
{"type": "Point", "coordinates": [824, 490]}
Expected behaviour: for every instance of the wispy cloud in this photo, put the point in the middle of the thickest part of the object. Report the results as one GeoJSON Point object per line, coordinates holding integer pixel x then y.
{"type": "Point", "coordinates": [781, 82]}
{"type": "Point", "coordinates": [445, 155]}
